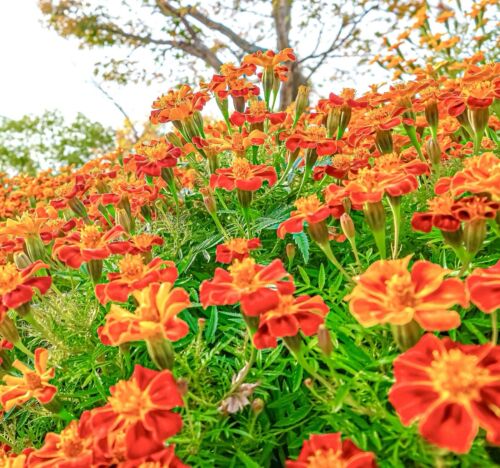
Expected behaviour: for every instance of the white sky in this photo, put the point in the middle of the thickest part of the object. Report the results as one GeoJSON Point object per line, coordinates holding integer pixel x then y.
{"type": "Point", "coordinates": [40, 70]}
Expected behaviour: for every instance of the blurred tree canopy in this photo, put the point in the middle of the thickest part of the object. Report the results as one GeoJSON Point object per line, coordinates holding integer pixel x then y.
{"type": "Point", "coordinates": [33, 142]}
{"type": "Point", "coordinates": [179, 35]}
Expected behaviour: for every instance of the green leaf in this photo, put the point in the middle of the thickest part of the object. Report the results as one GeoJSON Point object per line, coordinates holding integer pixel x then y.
{"type": "Point", "coordinates": [321, 277]}
{"type": "Point", "coordinates": [248, 462]}
{"type": "Point", "coordinates": [302, 242]}
{"type": "Point", "coordinates": [211, 327]}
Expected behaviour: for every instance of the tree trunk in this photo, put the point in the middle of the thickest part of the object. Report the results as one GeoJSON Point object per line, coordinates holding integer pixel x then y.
{"type": "Point", "coordinates": [282, 14]}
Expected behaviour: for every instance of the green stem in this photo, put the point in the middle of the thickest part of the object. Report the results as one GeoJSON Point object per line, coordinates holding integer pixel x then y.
{"type": "Point", "coordinates": [379, 237]}
{"type": "Point", "coordinates": [327, 250]}
{"type": "Point", "coordinates": [412, 134]}
{"type": "Point", "coordinates": [395, 206]}
{"type": "Point", "coordinates": [20, 346]}
{"type": "Point", "coordinates": [299, 356]}
{"type": "Point", "coordinates": [307, 173]}
{"type": "Point", "coordinates": [219, 225]}
{"type": "Point", "coordinates": [352, 241]}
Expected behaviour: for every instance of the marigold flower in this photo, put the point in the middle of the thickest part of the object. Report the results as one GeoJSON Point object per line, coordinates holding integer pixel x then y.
{"type": "Point", "coordinates": [388, 293]}
{"type": "Point", "coordinates": [16, 286]}
{"type": "Point", "coordinates": [141, 409]}
{"type": "Point", "coordinates": [289, 316]}
{"type": "Point", "coordinates": [154, 318]}
{"type": "Point", "coordinates": [236, 249]}
{"type": "Point", "coordinates": [9, 459]}
{"type": "Point", "coordinates": [72, 447]}
{"type": "Point", "coordinates": [177, 104]}
{"type": "Point", "coordinates": [89, 243]}
{"type": "Point", "coordinates": [243, 176]}
{"type": "Point", "coordinates": [32, 384]}
{"type": "Point", "coordinates": [484, 288]}
{"type": "Point", "coordinates": [150, 158]}
{"type": "Point", "coordinates": [269, 59]}
{"type": "Point", "coordinates": [312, 138]}
{"type": "Point", "coordinates": [165, 458]}
{"type": "Point", "coordinates": [254, 286]}
{"type": "Point", "coordinates": [309, 209]}
{"type": "Point", "coordinates": [451, 389]}
{"type": "Point", "coordinates": [440, 215]}
{"type": "Point", "coordinates": [143, 243]}
{"type": "Point", "coordinates": [134, 275]}
{"type": "Point", "coordinates": [329, 450]}
{"type": "Point", "coordinates": [257, 113]}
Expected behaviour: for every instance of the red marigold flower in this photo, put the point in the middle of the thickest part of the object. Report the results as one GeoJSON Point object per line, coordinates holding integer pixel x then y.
{"type": "Point", "coordinates": [243, 176]}
{"type": "Point", "coordinates": [73, 447]}
{"type": "Point", "coordinates": [341, 166]}
{"type": "Point", "coordinates": [388, 293]}
{"type": "Point", "coordinates": [289, 316]}
{"type": "Point", "coordinates": [257, 113]}
{"type": "Point", "coordinates": [484, 288]}
{"type": "Point", "coordinates": [177, 104]}
{"type": "Point", "coordinates": [452, 389]}
{"type": "Point", "coordinates": [150, 158]}
{"type": "Point", "coordinates": [139, 413]}
{"type": "Point", "coordinates": [9, 459]}
{"type": "Point", "coordinates": [231, 81]}
{"type": "Point", "coordinates": [236, 249]}
{"type": "Point", "coordinates": [475, 208]}
{"type": "Point", "coordinates": [134, 275]}
{"type": "Point", "coordinates": [309, 209]}
{"type": "Point", "coordinates": [269, 59]}
{"type": "Point", "coordinates": [165, 458]}
{"type": "Point", "coordinates": [329, 450]}
{"type": "Point", "coordinates": [143, 243]}
{"type": "Point", "coordinates": [256, 287]}
{"type": "Point", "coordinates": [89, 243]}
{"type": "Point", "coordinates": [16, 286]}
{"type": "Point", "coordinates": [313, 138]}
{"type": "Point", "coordinates": [439, 215]}
{"type": "Point", "coordinates": [32, 384]}
{"type": "Point", "coordinates": [154, 318]}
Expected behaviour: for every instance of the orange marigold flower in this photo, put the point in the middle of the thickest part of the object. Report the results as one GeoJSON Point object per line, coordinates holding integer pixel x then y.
{"type": "Point", "coordinates": [451, 389]}
{"type": "Point", "coordinates": [388, 293]}
{"type": "Point", "coordinates": [243, 176]}
{"type": "Point", "coordinates": [312, 138]}
{"type": "Point", "coordinates": [289, 316]}
{"type": "Point", "coordinates": [16, 286]}
{"type": "Point", "coordinates": [328, 450]}
{"type": "Point", "coordinates": [257, 113]}
{"type": "Point", "coordinates": [73, 447]}
{"type": "Point", "coordinates": [270, 59]}
{"type": "Point", "coordinates": [139, 413]}
{"type": "Point", "coordinates": [177, 104]}
{"type": "Point", "coordinates": [439, 215]}
{"type": "Point", "coordinates": [236, 249]}
{"type": "Point", "coordinates": [231, 81]}
{"type": "Point", "coordinates": [89, 243]}
{"type": "Point", "coordinates": [256, 287]}
{"type": "Point", "coordinates": [32, 384]}
{"type": "Point", "coordinates": [475, 208]}
{"type": "Point", "coordinates": [150, 158]}
{"type": "Point", "coordinates": [134, 275]}
{"type": "Point", "coordinates": [165, 458]}
{"type": "Point", "coordinates": [309, 209]}
{"type": "Point", "coordinates": [9, 459]}
{"type": "Point", "coordinates": [154, 318]}
{"type": "Point", "coordinates": [143, 243]}
{"type": "Point", "coordinates": [484, 288]}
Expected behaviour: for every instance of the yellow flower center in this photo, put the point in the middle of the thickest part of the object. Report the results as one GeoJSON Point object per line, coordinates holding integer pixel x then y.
{"type": "Point", "coordinates": [154, 152]}
{"type": "Point", "coordinates": [237, 245]}
{"type": "Point", "coordinates": [308, 205]}
{"type": "Point", "coordinates": [33, 380]}
{"type": "Point", "coordinates": [316, 133]}
{"type": "Point", "coordinates": [341, 161]}
{"type": "Point", "coordinates": [348, 93]}
{"type": "Point", "coordinates": [284, 307]}
{"type": "Point", "coordinates": [243, 273]}
{"type": "Point", "coordinates": [142, 241]}
{"type": "Point", "coordinates": [10, 278]}
{"type": "Point", "coordinates": [457, 376]}
{"type": "Point", "coordinates": [132, 267]}
{"type": "Point", "coordinates": [441, 205]}
{"type": "Point", "coordinates": [129, 401]}
{"type": "Point", "coordinates": [256, 107]}
{"type": "Point", "coordinates": [242, 169]}
{"type": "Point", "coordinates": [70, 443]}
{"type": "Point", "coordinates": [400, 291]}
{"type": "Point", "coordinates": [90, 237]}
{"type": "Point", "coordinates": [326, 459]}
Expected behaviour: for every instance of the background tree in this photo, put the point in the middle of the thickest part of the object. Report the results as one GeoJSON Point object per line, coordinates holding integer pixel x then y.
{"type": "Point", "coordinates": [150, 36]}
{"type": "Point", "coordinates": [33, 142]}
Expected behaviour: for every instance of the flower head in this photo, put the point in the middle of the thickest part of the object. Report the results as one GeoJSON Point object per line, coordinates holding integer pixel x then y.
{"type": "Point", "coordinates": [484, 288]}
{"type": "Point", "coordinates": [451, 389]}
{"type": "Point", "coordinates": [177, 104]}
{"type": "Point", "coordinates": [243, 176]}
{"type": "Point", "coordinates": [236, 249]}
{"type": "Point", "coordinates": [329, 451]}
{"type": "Point", "coordinates": [388, 293]}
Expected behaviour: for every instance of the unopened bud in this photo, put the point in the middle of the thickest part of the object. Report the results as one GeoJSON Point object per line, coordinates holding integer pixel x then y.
{"type": "Point", "coordinates": [21, 260]}
{"type": "Point", "coordinates": [201, 324]}
{"type": "Point", "coordinates": [123, 219]}
{"type": "Point", "coordinates": [8, 330]}
{"type": "Point", "coordinates": [95, 270]}
{"type": "Point", "coordinates": [308, 382]}
{"type": "Point", "coordinates": [77, 207]}
{"type": "Point", "coordinates": [291, 250]}
{"type": "Point", "coordinates": [347, 226]}
{"type": "Point", "coordinates": [433, 151]}
{"type": "Point", "coordinates": [474, 235]}
{"type": "Point", "coordinates": [325, 340]}
{"type": "Point", "coordinates": [182, 386]}
{"type": "Point", "coordinates": [257, 406]}
{"type": "Point", "coordinates": [432, 116]}
{"type": "Point", "coordinates": [478, 119]}
{"type": "Point", "coordinates": [383, 141]}
{"type": "Point", "coordinates": [174, 139]}
{"type": "Point", "coordinates": [35, 248]}
{"type": "Point", "coordinates": [332, 122]}
{"type": "Point", "coordinates": [209, 200]}
{"type": "Point", "coordinates": [301, 102]}
{"type": "Point", "coordinates": [344, 118]}
{"type": "Point", "coordinates": [311, 156]}
{"type": "Point", "coordinates": [239, 103]}
{"type": "Point", "coordinates": [319, 232]}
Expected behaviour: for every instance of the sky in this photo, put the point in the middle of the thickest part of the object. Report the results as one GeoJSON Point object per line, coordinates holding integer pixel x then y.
{"type": "Point", "coordinates": [40, 70]}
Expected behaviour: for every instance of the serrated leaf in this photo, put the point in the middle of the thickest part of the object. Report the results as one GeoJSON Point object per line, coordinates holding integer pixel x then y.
{"type": "Point", "coordinates": [302, 242]}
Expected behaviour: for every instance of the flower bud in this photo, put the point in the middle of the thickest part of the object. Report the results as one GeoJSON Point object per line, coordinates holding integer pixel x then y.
{"type": "Point", "coordinates": [344, 118]}
{"type": "Point", "coordinates": [383, 141]}
{"type": "Point", "coordinates": [347, 226]}
{"type": "Point", "coordinates": [35, 248]}
{"type": "Point", "coordinates": [325, 340]}
{"type": "Point", "coordinates": [432, 116]}
{"type": "Point", "coordinates": [209, 200]}
{"type": "Point", "coordinates": [77, 207]}
{"type": "Point", "coordinates": [375, 216]}
{"type": "Point", "coordinates": [21, 260]}
{"type": "Point", "coordinates": [8, 330]}
{"type": "Point", "coordinates": [161, 352]}
{"type": "Point", "coordinates": [201, 324]}
{"type": "Point", "coordinates": [95, 270]}
{"type": "Point", "coordinates": [332, 121]}
{"type": "Point", "coordinates": [167, 174]}
{"type": "Point", "coordinates": [433, 151]}
{"type": "Point", "coordinates": [182, 386]}
{"type": "Point", "coordinates": [474, 235]}
{"type": "Point", "coordinates": [301, 102]}
{"type": "Point", "coordinates": [319, 232]}
{"type": "Point", "coordinates": [308, 382]}
{"type": "Point", "coordinates": [257, 406]}
{"type": "Point", "coordinates": [123, 219]}
{"type": "Point", "coordinates": [291, 250]}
